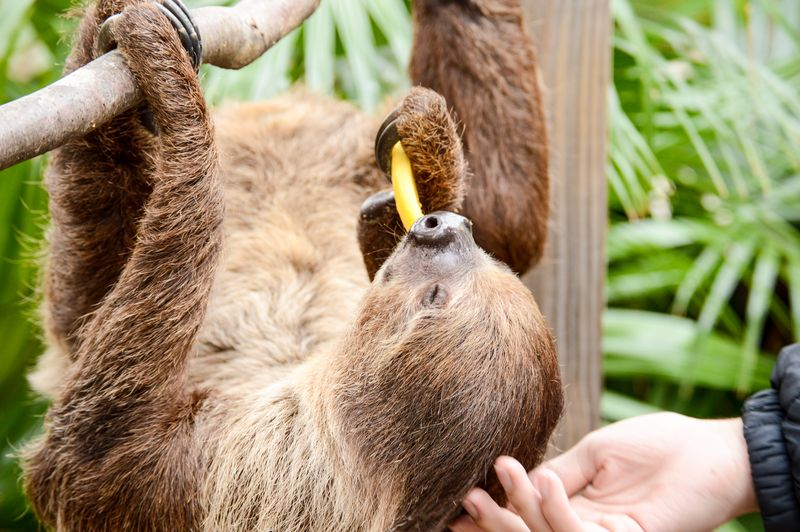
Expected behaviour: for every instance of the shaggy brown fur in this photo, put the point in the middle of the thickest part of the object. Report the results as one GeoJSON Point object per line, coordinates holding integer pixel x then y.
{"type": "Point", "coordinates": [263, 383]}
{"type": "Point", "coordinates": [476, 54]}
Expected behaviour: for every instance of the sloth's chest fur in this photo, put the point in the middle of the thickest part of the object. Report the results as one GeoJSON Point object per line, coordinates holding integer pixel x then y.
{"type": "Point", "coordinates": [291, 276]}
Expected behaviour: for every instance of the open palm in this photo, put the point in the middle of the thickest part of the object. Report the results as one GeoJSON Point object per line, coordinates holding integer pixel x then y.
{"type": "Point", "coordinates": [653, 473]}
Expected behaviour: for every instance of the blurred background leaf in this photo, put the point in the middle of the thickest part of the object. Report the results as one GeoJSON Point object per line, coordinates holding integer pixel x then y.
{"type": "Point", "coordinates": [703, 283]}
{"type": "Point", "coordinates": [31, 55]}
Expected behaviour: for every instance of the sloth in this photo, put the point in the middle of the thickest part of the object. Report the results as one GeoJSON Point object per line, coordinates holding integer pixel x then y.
{"type": "Point", "coordinates": [242, 337]}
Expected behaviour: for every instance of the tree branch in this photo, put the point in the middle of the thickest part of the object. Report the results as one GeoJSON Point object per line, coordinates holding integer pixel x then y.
{"type": "Point", "coordinates": [90, 96]}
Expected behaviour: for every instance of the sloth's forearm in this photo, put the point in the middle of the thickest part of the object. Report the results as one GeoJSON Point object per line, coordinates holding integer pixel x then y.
{"type": "Point", "coordinates": [120, 450]}
{"type": "Point", "coordinates": [158, 303]}
{"type": "Point", "coordinates": [97, 187]}
{"type": "Point", "coordinates": [479, 57]}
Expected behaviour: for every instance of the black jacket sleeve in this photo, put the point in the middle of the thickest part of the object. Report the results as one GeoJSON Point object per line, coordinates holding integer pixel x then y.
{"type": "Point", "coordinates": [772, 431]}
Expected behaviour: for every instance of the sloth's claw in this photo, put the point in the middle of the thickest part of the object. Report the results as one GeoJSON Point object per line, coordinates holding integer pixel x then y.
{"type": "Point", "coordinates": [385, 140]}
{"type": "Point", "coordinates": [105, 38]}
{"type": "Point", "coordinates": [378, 206]}
{"type": "Point", "coordinates": [181, 19]}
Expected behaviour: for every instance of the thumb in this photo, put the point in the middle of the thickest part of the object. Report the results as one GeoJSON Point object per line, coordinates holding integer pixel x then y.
{"type": "Point", "coordinates": [576, 468]}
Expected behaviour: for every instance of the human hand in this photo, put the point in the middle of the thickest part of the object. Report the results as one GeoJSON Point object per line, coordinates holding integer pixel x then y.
{"type": "Point", "coordinates": [657, 472]}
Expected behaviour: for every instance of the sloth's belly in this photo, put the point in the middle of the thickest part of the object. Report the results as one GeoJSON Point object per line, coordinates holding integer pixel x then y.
{"type": "Point", "coordinates": [296, 169]}
{"type": "Point", "coordinates": [278, 299]}
{"type": "Point", "coordinates": [290, 280]}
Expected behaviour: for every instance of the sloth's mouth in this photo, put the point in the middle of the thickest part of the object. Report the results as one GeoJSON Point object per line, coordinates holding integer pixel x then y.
{"type": "Point", "coordinates": [438, 245]}
{"type": "Point", "coordinates": [441, 229]}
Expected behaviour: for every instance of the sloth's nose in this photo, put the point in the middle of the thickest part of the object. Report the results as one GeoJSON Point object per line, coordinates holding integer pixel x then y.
{"type": "Point", "coordinates": [439, 228]}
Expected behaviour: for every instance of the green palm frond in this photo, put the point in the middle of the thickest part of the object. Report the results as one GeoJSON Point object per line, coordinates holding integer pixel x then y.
{"type": "Point", "coordinates": [717, 106]}
{"type": "Point", "coordinates": [353, 49]}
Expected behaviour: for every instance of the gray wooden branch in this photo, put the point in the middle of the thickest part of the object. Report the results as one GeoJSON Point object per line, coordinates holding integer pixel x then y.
{"type": "Point", "coordinates": [90, 96]}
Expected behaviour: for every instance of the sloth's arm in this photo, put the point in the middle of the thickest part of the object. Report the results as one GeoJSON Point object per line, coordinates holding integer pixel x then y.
{"type": "Point", "coordinates": [118, 450]}
{"type": "Point", "coordinates": [477, 55]}
{"type": "Point", "coordinates": [98, 185]}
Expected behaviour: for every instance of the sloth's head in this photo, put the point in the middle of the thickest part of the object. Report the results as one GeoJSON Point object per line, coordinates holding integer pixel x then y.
{"type": "Point", "coordinates": [452, 339]}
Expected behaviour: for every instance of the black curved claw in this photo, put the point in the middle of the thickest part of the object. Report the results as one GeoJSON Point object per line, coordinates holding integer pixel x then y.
{"type": "Point", "coordinates": [105, 38]}
{"type": "Point", "coordinates": [181, 19]}
{"type": "Point", "coordinates": [385, 140]}
{"type": "Point", "coordinates": [376, 207]}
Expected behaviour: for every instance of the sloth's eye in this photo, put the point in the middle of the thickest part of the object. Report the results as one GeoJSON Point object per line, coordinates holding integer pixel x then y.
{"type": "Point", "coordinates": [435, 296]}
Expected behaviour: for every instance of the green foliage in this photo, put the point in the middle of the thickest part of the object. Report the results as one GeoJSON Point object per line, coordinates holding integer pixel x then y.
{"type": "Point", "coordinates": [703, 285]}
{"type": "Point", "coordinates": [353, 49]}
{"type": "Point", "coordinates": [704, 243]}
{"type": "Point", "coordinates": [31, 51]}
{"type": "Point", "coordinates": [705, 202]}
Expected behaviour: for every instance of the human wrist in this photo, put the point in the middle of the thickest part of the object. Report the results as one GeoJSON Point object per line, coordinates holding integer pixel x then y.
{"type": "Point", "coordinates": [743, 495]}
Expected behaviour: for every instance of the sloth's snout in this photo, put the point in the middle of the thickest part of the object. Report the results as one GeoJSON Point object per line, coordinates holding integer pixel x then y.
{"type": "Point", "coordinates": [439, 229]}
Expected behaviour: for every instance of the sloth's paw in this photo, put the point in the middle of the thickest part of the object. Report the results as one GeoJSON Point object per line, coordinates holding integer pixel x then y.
{"type": "Point", "coordinates": [179, 16]}
{"type": "Point", "coordinates": [430, 139]}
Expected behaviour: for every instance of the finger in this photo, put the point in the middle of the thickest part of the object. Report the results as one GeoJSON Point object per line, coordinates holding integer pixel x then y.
{"type": "Point", "coordinates": [555, 504]}
{"type": "Point", "coordinates": [576, 468]}
{"type": "Point", "coordinates": [594, 527]}
{"type": "Point", "coordinates": [596, 517]}
{"type": "Point", "coordinates": [587, 509]}
{"type": "Point", "coordinates": [464, 524]}
{"type": "Point", "coordinates": [619, 523]}
{"type": "Point", "coordinates": [490, 517]}
{"type": "Point", "coordinates": [523, 497]}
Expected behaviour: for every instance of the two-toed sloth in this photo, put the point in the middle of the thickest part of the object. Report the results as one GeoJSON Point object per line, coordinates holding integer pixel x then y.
{"type": "Point", "coordinates": [220, 358]}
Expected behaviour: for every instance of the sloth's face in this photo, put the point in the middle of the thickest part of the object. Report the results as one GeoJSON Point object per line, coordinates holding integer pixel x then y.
{"type": "Point", "coordinates": [438, 282]}
{"type": "Point", "coordinates": [448, 347]}
{"type": "Point", "coordinates": [441, 302]}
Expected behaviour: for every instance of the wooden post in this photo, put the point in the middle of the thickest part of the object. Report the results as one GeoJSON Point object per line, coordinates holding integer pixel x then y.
{"type": "Point", "coordinates": [573, 44]}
